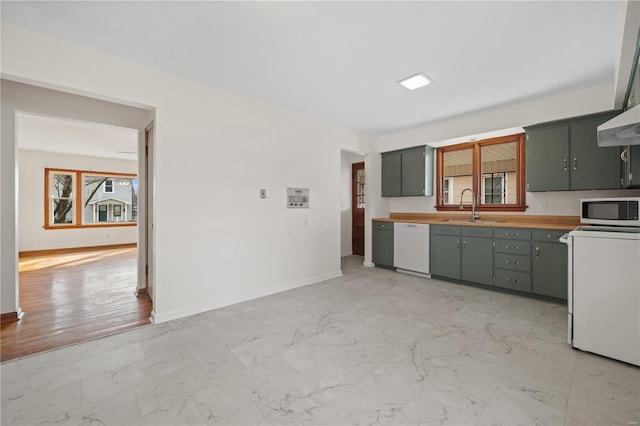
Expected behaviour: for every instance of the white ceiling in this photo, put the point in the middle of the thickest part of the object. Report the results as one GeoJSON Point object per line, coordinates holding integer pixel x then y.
{"type": "Point", "coordinates": [340, 61]}
{"type": "Point", "coordinates": [52, 134]}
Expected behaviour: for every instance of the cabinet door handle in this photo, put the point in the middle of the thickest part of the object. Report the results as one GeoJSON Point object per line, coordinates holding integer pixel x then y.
{"type": "Point", "coordinates": [623, 155]}
{"type": "Point", "coordinates": [507, 247]}
{"type": "Point", "coordinates": [457, 243]}
{"type": "Point", "coordinates": [464, 244]}
{"type": "Point", "coordinates": [537, 251]}
{"type": "Point", "coordinates": [575, 163]}
{"type": "Point", "coordinates": [508, 262]}
{"type": "Point", "coordinates": [564, 163]}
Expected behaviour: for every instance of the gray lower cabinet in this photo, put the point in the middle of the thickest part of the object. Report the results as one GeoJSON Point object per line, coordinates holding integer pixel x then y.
{"type": "Point", "coordinates": [382, 244]}
{"type": "Point", "coordinates": [525, 260]}
{"type": "Point", "coordinates": [462, 253]}
{"type": "Point", "coordinates": [549, 261]}
{"type": "Point", "coordinates": [513, 259]}
{"type": "Point", "coordinates": [445, 251]}
{"type": "Point", "coordinates": [477, 255]}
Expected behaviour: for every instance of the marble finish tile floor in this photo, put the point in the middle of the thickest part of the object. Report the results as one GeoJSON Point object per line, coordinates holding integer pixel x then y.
{"type": "Point", "coordinates": [372, 347]}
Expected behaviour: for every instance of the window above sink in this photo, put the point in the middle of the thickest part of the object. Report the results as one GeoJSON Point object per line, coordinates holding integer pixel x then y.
{"type": "Point", "coordinates": [492, 168]}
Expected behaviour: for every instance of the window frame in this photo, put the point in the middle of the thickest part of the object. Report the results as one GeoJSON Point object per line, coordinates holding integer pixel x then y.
{"type": "Point", "coordinates": [519, 204]}
{"type": "Point", "coordinates": [77, 199]}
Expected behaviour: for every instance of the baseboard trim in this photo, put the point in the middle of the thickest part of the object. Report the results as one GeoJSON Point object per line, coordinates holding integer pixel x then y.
{"type": "Point", "coordinates": [197, 309]}
{"type": "Point", "coordinates": [49, 252]}
{"type": "Point", "coordinates": [10, 317]}
{"type": "Point", "coordinates": [368, 264]}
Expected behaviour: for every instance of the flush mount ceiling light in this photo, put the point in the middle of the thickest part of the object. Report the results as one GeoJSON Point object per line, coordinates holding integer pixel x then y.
{"type": "Point", "coordinates": [415, 81]}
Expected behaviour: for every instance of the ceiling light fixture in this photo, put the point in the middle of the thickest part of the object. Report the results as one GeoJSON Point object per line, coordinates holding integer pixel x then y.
{"type": "Point", "coordinates": [415, 81]}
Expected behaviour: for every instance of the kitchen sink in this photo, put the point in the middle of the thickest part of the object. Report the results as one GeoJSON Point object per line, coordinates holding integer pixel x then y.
{"type": "Point", "coordinates": [470, 221]}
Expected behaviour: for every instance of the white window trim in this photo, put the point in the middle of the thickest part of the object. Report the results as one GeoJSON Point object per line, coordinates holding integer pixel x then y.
{"type": "Point", "coordinates": [504, 186]}
{"type": "Point", "coordinates": [449, 193]}
{"type": "Point", "coordinates": [104, 187]}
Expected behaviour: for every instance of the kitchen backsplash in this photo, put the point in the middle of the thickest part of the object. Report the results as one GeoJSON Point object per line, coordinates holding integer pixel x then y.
{"type": "Point", "coordinates": [539, 203]}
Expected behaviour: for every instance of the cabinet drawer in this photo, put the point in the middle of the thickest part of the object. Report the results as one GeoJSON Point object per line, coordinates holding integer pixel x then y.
{"type": "Point", "coordinates": [513, 246]}
{"type": "Point", "coordinates": [382, 225]}
{"type": "Point", "coordinates": [513, 262]}
{"type": "Point", "coordinates": [513, 233]}
{"type": "Point", "coordinates": [513, 280]}
{"type": "Point", "coordinates": [548, 235]}
{"type": "Point", "coordinates": [445, 230]}
{"type": "Point", "coordinates": [475, 231]}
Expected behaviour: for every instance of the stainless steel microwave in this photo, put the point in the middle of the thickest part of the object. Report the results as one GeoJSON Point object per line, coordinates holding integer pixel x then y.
{"type": "Point", "coordinates": [621, 211]}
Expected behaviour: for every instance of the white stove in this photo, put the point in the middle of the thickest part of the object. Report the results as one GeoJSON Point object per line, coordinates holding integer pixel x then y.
{"type": "Point", "coordinates": [604, 291]}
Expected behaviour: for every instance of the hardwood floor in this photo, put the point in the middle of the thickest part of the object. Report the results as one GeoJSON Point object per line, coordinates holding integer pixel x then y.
{"type": "Point", "coordinates": [74, 296]}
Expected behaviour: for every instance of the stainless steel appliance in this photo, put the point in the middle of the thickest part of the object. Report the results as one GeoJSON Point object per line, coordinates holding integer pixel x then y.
{"type": "Point", "coordinates": [621, 211]}
{"type": "Point", "coordinates": [621, 130]}
{"type": "Point", "coordinates": [604, 291]}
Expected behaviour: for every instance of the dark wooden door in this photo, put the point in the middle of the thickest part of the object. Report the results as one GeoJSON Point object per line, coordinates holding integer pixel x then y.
{"type": "Point", "coordinates": [357, 208]}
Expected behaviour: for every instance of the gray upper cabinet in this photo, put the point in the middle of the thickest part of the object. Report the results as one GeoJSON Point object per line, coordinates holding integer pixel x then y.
{"type": "Point", "coordinates": [630, 168]}
{"type": "Point", "coordinates": [407, 172]}
{"type": "Point", "coordinates": [392, 174]}
{"type": "Point", "coordinates": [547, 156]}
{"type": "Point", "coordinates": [592, 167]}
{"type": "Point", "coordinates": [564, 155]}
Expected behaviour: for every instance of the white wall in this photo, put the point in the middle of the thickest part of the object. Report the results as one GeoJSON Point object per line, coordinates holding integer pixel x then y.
{"type": "Point", "coordinates": [216, 241]}
{"type": "Point", "coordinates": [346, 220]}
{"type": "Point", "coordinates": [598, 98]}
{"type": "Point", "coordinates": [31, 234]}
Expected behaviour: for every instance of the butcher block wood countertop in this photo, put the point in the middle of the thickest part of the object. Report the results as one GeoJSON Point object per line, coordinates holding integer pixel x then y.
{"type": "Point", "coordinates": [492, 220]}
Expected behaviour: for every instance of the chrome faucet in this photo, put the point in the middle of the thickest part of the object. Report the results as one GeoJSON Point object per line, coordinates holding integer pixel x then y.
{"type": "Point", "coordinates": [473, 203]}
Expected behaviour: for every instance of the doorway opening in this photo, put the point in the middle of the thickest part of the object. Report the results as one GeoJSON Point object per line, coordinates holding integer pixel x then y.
{"type": "Point", "coordinates": [352, 204]}
{"type": "Point", "coordinates": [358, 204]}
{"type": "Point", "coordinates": [79, 278]}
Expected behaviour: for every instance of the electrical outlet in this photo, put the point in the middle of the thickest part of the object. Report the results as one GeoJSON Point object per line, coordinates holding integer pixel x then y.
{"type": "Point", "coordinates": [263, 194]}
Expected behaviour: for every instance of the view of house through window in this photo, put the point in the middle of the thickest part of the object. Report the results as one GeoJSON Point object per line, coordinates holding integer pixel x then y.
{"type": "Point", "coordinates": [104, 199]}
{"type": "Point", "coordinates": [493, 169]}
{"type": "Point", "coordinates": [108, 199]}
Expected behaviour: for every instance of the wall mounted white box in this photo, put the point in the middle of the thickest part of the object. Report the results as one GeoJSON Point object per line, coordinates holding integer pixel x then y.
{"type": "Point", "coordinates": [297, 198]}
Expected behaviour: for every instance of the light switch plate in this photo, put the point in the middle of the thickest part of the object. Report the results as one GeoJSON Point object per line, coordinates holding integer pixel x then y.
{"type": "Point", "coordinates": [263, 193]}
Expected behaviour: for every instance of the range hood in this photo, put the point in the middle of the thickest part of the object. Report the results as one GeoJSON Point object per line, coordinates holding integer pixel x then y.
{"type": "Point", "coordinates": [621, 130]}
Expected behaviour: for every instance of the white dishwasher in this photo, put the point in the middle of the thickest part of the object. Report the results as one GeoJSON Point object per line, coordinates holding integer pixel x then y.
{"type": "Point", "coordinates": [411, 248]}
